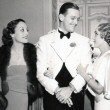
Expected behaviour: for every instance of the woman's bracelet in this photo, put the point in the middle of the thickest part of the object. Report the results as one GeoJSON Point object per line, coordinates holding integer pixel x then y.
{"type": "Point", "coordinates": [89, 80]}
{"type": "Point", "coordinates": [90, 77]}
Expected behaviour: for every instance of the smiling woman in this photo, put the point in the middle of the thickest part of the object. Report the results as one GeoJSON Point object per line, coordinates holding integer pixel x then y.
{"type": "Point", "coordinates": [21, 33]}
{"type": "Point", "coordinates": [99, 79]}
{"type": "Point", "coordinates": [17, 65]}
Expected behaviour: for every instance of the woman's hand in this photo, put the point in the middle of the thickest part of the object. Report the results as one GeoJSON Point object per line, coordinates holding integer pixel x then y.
{"type": "Point", "coordinates": [82, 71]}
{"type": "Point", "coordinates": [31, 88]}
{"type": "Point", "coordinates": [5, 87]}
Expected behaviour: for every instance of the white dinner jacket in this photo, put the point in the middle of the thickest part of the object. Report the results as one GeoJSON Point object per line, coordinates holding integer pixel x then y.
{"type": "Point", "coordinates": [53, 51]}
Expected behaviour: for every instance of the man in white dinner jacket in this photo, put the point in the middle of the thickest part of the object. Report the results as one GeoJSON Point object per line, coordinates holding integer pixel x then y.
{"type": "Point", "coordinates": [58, 55]}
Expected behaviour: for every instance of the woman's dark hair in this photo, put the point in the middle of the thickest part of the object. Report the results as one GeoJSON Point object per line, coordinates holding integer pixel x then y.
{"type": "Point", "coordinates": [104, 28]}
{"type": "Point", "coordinates": [66, 6]}
{"type": "Point", "coordinates": [10, 29]}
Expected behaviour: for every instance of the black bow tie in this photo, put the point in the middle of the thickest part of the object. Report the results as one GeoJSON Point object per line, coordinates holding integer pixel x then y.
{"type": "Point", "coordinates": [62, 34]}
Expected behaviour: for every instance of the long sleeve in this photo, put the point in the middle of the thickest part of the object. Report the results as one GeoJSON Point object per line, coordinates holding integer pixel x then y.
{"type": "Point", "coordinates": [42, 65]}
{"type": "Point", "coordinates": [85, 59]}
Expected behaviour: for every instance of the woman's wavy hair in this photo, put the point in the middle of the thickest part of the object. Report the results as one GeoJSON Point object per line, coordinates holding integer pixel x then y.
{"type": "Point", "coordinates": [10, 29]}
{"type": "Point", "coordinates": [104, 28]}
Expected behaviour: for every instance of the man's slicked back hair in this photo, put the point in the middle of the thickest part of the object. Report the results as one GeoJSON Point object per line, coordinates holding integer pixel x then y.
{"type": "Point", "coordinates": [66, 6]}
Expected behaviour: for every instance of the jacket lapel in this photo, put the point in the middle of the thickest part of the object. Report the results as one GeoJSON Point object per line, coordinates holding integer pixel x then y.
{"type": "Point", "coordinates": [62, 48]}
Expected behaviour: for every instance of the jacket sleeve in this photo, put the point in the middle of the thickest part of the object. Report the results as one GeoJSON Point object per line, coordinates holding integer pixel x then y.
{"type": "Point", "coordinates": [49, 84]}
{"type": "Point", "coordinates": [85, 59]}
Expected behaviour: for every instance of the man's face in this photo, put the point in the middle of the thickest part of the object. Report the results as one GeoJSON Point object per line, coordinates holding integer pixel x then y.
{"type": "Point", "coordinates": [70, 20]}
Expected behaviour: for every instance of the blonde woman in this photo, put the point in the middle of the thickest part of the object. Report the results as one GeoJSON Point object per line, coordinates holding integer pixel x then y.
{"type": "Point", "coordinates": [99, 80]}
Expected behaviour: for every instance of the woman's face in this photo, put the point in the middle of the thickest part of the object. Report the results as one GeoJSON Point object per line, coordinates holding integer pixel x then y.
{"type": "Point", "coordinates": [98, 41]}
{"type": "Point", "coordinates": [21, 33]}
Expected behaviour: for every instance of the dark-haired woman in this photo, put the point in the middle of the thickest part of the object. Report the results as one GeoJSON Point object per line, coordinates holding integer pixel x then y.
{"type": "Point", "coordinates": [17, 65]}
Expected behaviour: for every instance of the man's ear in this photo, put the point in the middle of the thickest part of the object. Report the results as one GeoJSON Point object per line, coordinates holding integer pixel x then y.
{"type": "Point", "coordinates": [61, 17]}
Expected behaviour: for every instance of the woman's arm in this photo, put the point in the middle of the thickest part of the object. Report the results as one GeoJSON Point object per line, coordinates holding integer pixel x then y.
{"type": "Point", "coordinates": [92, 83]}
{"type": "Point", "coordinates": [107, 80]}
